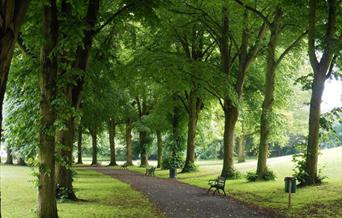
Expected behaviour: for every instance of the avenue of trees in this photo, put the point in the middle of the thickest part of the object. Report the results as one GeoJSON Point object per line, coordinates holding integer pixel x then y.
{"type": "Point", "coordinates": [178, 80]}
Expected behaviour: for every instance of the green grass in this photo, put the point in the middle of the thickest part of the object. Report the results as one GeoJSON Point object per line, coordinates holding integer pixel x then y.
{"type": "Point", "coordinates": [101, 196]}
{"type": "Point", "coordinates": [317, 201]}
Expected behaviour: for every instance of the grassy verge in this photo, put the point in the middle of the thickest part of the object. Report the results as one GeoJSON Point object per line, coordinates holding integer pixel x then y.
{"type": "Point", "coordinates": [101, 196]}
{"type": "Point", "coordinates": [317, 201]}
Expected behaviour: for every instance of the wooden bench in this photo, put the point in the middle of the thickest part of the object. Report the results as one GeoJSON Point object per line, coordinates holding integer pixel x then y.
{"type": "Point", "coordinates": [217, 184]}
{"type": "Point", "coordinates": [150, 172]}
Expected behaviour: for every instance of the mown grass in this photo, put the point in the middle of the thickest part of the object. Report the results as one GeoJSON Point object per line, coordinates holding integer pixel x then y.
{"type": "Point", "coordinates": [101, 196]}
{"type": "Point", "coordinates": [317, 201]}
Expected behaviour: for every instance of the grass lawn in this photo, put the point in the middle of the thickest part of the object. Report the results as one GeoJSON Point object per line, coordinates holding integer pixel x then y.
{"type": "Point", "coordinates": [101, 196]}
{"type": "Point", "coordinates": [317, 201]}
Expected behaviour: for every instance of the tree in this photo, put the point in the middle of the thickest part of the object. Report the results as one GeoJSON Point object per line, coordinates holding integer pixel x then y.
{"type": "Point", "coordinates": [322, 70]}
{"type": "Point", "coordinates": [48, 80]}
{"type": "Point", "coordinates": [12, 15]}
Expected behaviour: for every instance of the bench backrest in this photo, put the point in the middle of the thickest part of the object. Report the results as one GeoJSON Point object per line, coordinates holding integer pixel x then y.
{"type": "Point", "coordinates": [221, 181]}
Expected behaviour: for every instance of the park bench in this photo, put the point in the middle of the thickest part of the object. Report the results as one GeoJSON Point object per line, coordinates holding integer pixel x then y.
{"type": "Point", "coordinates": [150, 171]}
{"type": "Point", "coordinates": [217, 184]}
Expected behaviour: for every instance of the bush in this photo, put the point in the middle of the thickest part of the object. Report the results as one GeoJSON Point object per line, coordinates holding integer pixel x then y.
{"type": "Point", "coordinates": [251, 176]}
{"type": "Point", "coordinates": [173, 162]}
{"type": "Point", "coordinates": [190, 167]}
{"type": "Point", "coordinates": [267, 176]}
{"type": "Point", "coordinates": [300, 170]}
{"type": "Point", "coordinates": [232, 174]}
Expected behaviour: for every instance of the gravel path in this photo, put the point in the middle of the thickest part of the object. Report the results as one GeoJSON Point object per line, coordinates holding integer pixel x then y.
{"type": "Point", "coordinates": [179, 200]}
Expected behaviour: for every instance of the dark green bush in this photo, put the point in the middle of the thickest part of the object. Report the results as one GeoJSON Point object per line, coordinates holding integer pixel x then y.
{"type": "Point", "coordinates": [251, 176]}
{"type": "Point", "coordinates": [267, 176]}
{"type": "Point", "coordinates": [173, 162]}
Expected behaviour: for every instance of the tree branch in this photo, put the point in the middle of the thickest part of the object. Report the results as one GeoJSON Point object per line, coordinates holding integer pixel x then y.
{"type": "Point", "coordinates": [255, 11]}
{"type": "Point", "coordinates": [291, 46]}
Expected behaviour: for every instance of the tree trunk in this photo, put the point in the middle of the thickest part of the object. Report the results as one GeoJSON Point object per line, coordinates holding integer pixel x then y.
{"type": "Point", "coordinates": [48, 83]}
{"type": "Point", "coordinates": [79, 145]}
{"type": "Point", "coordinates": [242, 150]}
{"type": "Point", "coordinates": [21, 162]}
{"type": "Point", "coordinates": [322, 69]}
{"type": "Point", "coordinates": [129, 142]}
{"type": "Point", "coordinates": [143, 147]}
{"type": "Point", "coordinates": [230, 117]}
{"type": "Point", "coordinates": [193, 112]}
{"type": "Point", "coordinates": [160, 148]}
{"type": "Point", "coordinates": [63, 170]}
{"type": "Point", "coordinates": [313, 139]}
{"type": "Point", "coordinates": [176, 131]}
{"type": "Point", "coordinates": [9, 159]}
{"type": "Point", "coordinates": [111, 130]}
{"type": "Point", "coordinates": [94, 146]}
{"type": "Point", "coordinates": [267, 104]}
{"type": "Point", "coordinates": [12, 13]}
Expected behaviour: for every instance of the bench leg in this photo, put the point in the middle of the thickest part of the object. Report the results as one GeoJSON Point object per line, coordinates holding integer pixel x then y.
{"type": "Point", "coordinates": [215, 192]}
{"type": "Point", "coordinates": [209, 190]}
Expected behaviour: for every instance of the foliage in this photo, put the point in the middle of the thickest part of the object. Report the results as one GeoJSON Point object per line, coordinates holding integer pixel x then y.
{"type": "Point", "coordinates": [190, 167]}
{"type": "Point", "coordinates": [251, 176]}
{"type": "Point", "coordinates": [173, 162]}
{"type": "Point", "coordinates": [300, 170]}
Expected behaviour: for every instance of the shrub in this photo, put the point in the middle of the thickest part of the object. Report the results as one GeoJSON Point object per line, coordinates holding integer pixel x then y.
{"type": "Point", "coordinates": [173, 162]}
{"type": "Point", "coordinates": [300, 170]}
{"type": "Point", "coordinates": [232, 174]}
{"type": "Point", "coordinates": [190, 167]}
{"type": "Point", "coordinates": [267, 176]}
{"type": "Point", "coordinates": [251, 176]}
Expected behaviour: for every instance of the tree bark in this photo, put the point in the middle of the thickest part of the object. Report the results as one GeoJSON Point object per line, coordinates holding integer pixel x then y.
{"type": "Point", "coordinates": [194, 107]}
{"type": "Point", "coordinates": [73, 95]}
{"type": "Point", "coordinates": [12, 13]}
{"type": "Point", "coordinates": [48, 83]}
{"type": "Point", "coordinates": [313, 140]}
{"type": "Point", "coordinates": [267, 105]}
{"type": "Point", "coordinates": [160, 148]}
{"type": "Point", "coordinates": [143, 147]}
{"type": "Point", "coordinates": [231, 114]}
{"type": "Point", "coordinates": [129, 142]}
{"type": "Point", "coordinates": [242, 149]}
{"type": "Point", "coordinates": [94, 147]}
{"type": "Point", "coordinates": [9, 159]}
{"type": "Point", "coordinates": [79, 145]}
{"type": "Point", "coordinates": [63, 170]}
{"type": "Point", "coordinates": [111, 130]}
{"type": "Point", "coordinates": [321, 70]}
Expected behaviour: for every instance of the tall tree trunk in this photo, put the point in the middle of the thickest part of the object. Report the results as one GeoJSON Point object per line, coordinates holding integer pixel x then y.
{"type": "Point", "coordinates": [111, 130]}
{"type": "Point", "coordinates": [63, 170]}
{"type": "Point", "coordinates": [12, 13]}
{"type": "Point", "coordinates": [143, 147]}
{"type": "Point", "coordinates": [242, 149]}
{"type": "Point", "coordinates": [267, 104]}
{"type": "Point", "coordinates": [73, 95]}
{"type": "Point", "coordinates": [9, 159]}
{"type": "Point", "coordinates": [79, 145]}
{"type": "Point", "coordinates": [160, 148]}
{"type": "Point", "coordinates": [129, 142]}
{"type": "Point", "coordinates": [48, 83]}
{"type": "Point", "coordinates": [230, 117]}
{"type": "Point", "coordinates": [94, 147]}
{"type": "Point", "coordinates": [313, 139]}
{"type": "Point", "coordinates": [322, 69]}
{"type": "Point", "coordinates": [176, 131]}
{"type": "Point", "coordinates": [193, 112]}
